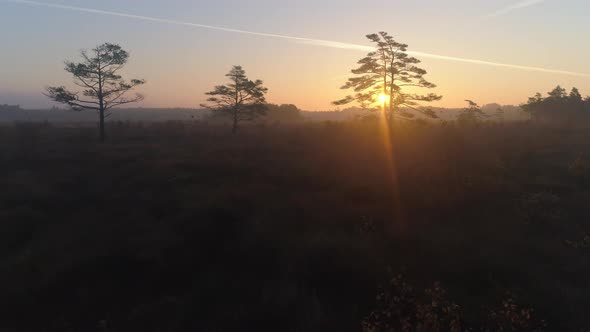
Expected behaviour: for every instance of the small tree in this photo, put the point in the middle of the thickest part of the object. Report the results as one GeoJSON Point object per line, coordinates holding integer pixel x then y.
{"type": "Point", "coordinates": [384, 76]}
{"type": "Point", "coordinates": [471, 114]}
{"type": "Point", "coordinates": [240, 100]}
{"type": "Point", "coordinates": [575, 95]}
{"type": "Point", "coordinates": [283, 113]}
{"type": "Point", "coordinates": [558, 93]}
{"type": "Point", "coordinates": [103, 88]}
{"type": "Point", "coordinates": [500, 114]}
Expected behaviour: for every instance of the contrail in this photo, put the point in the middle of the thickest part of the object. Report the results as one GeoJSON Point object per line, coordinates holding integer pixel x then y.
{"type": "Point", "coordinates": [518, 5]}
{"type": "Point", "coordinates": [311, 41]}
{"type": "Point", "coordinates": [325, 43]}
{"type": "Point", "coordinates": [497, 64]}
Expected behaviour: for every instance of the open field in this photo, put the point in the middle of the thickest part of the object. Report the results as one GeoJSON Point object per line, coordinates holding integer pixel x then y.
{"type": "Point", "coordinates": [185, 227]}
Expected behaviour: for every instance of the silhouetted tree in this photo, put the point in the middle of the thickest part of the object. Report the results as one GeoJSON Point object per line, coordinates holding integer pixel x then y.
{"type": "Point", "coordinates": [494, 110]}
{"type": "Point", "coordinates": [471, 114]}
{"type": "Point", "coordinates": [103, 88]}
{"type": "Point", "coordinates": [240, 100]}
{"type": "Point", "coordinates": [575, 95]}
{"type": "Point", "coordinates": [384, 75]}
{"type": "Point", "coordinates": [558, 93]}
{"type": "Point", "coordinates": [500, 114]}
{"type": "Point", "coordinates": [576, 100]}
{"type": "Point", "coordinates": [558, 106]}
{"type": "Point", "coordinates": [283, 113]}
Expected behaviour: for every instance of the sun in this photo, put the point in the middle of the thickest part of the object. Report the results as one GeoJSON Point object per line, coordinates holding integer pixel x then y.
{"type": "Point", "coordinates": [383, 98]}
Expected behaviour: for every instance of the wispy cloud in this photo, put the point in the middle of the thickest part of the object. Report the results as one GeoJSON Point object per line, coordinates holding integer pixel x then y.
{"type": "Point", "coordinates": [515, 6]}
{"type": "Point", "coordinates": [310, 41]}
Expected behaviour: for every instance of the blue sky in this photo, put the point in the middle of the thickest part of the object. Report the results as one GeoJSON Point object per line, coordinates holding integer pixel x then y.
{"type": "Point", "coordinates": [182, 62]}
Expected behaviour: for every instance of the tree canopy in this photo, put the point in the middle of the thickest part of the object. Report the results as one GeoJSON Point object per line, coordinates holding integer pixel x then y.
{"type": "Point", "coordinates": [103, 88]}
{"type": "Point", "coordinates": [240, 100]}
{"type": "Point", "coordinates": [389, 78]}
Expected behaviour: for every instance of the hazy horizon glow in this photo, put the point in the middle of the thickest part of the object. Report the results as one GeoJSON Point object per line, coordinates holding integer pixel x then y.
{"type": "Point", "coordinates": [352, 51]}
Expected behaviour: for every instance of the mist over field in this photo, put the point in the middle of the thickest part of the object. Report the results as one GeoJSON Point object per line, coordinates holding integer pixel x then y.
{"type": "Point", "coordinates": [12, 113]}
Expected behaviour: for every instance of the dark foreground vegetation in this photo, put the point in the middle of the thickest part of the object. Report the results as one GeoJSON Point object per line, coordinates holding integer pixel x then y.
{"type": "Point", "coordinates": [182, 227]}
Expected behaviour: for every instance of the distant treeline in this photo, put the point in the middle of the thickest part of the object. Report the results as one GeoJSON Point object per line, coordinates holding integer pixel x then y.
{"type": "Point", "coordinates": [285, 113]}
{"type": "Point", "coordinates": [558, 106]}
{"type": "Point", "coordinates": [282, 113]}
{"type": "Point", "coordinates": [10, 114]}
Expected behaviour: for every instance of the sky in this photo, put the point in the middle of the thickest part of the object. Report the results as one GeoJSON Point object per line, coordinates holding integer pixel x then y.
{"type": "Point", "coordinates": [489, 51]}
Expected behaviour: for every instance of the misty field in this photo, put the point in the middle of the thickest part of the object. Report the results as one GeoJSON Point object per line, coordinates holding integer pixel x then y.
{"type": "Point", "coordinates": [186, 227]}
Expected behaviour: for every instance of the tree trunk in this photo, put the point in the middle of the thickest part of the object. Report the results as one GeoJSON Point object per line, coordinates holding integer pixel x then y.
{"type": "Point", "coordinates": [390, 116]}
{"type": "Point", "coordinates": [102, 135]}
{"type": "Point", "coordinates": [390, 107]}
{"type": "Point", "coordinates": [234, 128]}
{"type": "Point", "coordinates": [101, 106]}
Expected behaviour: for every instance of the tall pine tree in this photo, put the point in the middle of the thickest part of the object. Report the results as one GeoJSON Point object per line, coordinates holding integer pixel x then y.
{"type": "Point", "coordinates": [385, 75]}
